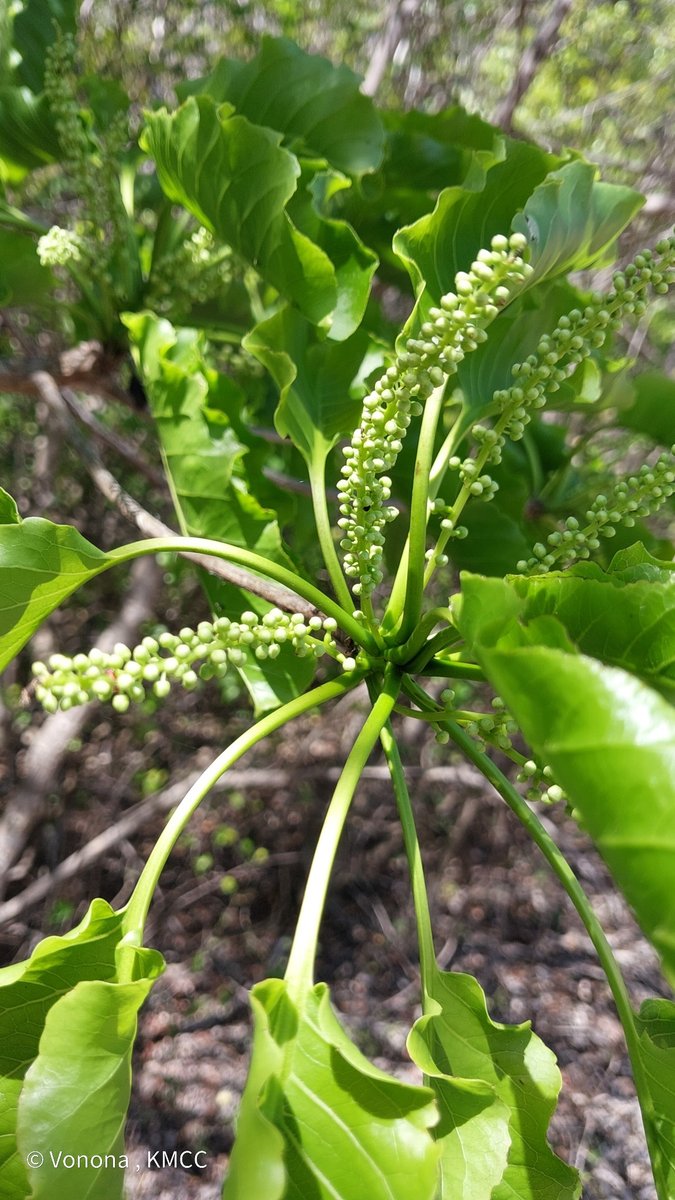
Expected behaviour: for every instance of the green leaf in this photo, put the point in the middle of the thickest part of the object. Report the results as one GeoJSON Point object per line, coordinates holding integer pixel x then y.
{"type": "Point", "coordinates": [23, 279]}
{"type": "Point", "coordinates": [608, 737]}
{"type": "Point", "coordinates": [67, 1026]}
{"type": "Point", "coordinates": [317, 1119]}
{"type": "Point", "coordinates": [653, 409]}
{"type": "Point", "coordinates": [204, 460]}
{"type": "Point", "coordinates": [41, 564]}
{"type": "Point", "coordinates": [624, 621]}
{"type": "Point", "coordinates": [314, 377]}
{"type": "Point", "coordinates": [572, 219]}
{"type": "Point", "coordinates": [9, 513]}
{"type": "Point", "coordinates": [28, 138]}
{"type": "Point", "coordinates": [656, 1027]}
{"type": "Point", "coordinates": [466, 218]}
{"type": "Point", "coordinates": [313, 103]}
{"type": "Point", "coordinates": [35, 30]}
{"type": "Point", "coordinates": [236, 179]}
{"type": "Point", "coordinates": [496, 1087]}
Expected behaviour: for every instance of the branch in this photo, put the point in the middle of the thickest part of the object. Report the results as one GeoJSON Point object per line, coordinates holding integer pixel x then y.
{"type": "Point", "coordinates": [384, 48]}
{"type": "Point", "coordinates": [258, 778]}
{"type": "Point", "coordinates": [88, 366]}
{"type": "Point", "coordinates": [47, 388]}
{"type": "Point", "coordinates": [121, 445]}
{"type": "Point", "coordinates": [540, 48]}
{"type": "Point", "coordinates": [43, 759]}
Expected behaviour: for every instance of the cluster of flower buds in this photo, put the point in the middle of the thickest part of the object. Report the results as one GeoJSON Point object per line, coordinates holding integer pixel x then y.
{"type": "Point", "coordinates": [122, 676]}
{"type": "Point", "coordinates": [631, 499]}
{"type": "Point", "coordinates": [557, 356]}
{"type": "Point", "coordinates": [193, 273]}
{"type": "Point", "coordinates": [538, 781]}
{"type": "Point", "coordinates": [451, 331]}
{"type": "Point", "coordinates": [59, 247]}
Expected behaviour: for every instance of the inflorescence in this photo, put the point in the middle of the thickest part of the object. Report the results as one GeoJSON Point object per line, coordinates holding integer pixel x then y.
{"type": "Point", "coordinates": [556, 357]}
{"type": "Point", "coordinates": [195, 271]}
{"type": "Point", "coordinates": [632, 498]}
{"type": "Point", "coordinates": [123, 675]}
{"type": "Point", "coordinates": [452, 330]}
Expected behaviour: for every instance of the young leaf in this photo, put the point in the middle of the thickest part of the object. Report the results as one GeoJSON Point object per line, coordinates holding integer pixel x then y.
{"type": "Point", "coordinates": [305, 97]}
{"type": "Point", "coordinates": [36, 27]}
{"type": "Point", "coordinates": [9, 513]}
{"type": "Point", "coordinates": [609, 739]}
{"type": "Point", "coordinates": [496, 1087]}
{"type": "Point", "coordinates": [317, 1119]}
{"type": "Point", "coordinates": [627, 623]}
{"type": "Point", "coordinates": [236, 179]}
{"type": "Point", "coordinates": [572, 219]}
{"type": "Point", "coordinates": [66, 1030]}
{"type": "Point", "coordinates": [314, 378]}
{"type": "Point", "coordinates": [41, 564]}
{"type": "Point", "coordinates": [27, 135]}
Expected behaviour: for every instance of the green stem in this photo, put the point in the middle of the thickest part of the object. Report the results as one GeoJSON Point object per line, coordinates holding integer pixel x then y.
{"type": "Point", "coordinates": [253, 562]}
{"type": "Point", "coordinates": [418, 638]}
{"type": "Point", "coordinates": [412, 848]}
{"type": "Point", "coordinates": [300, 969]}
{"type": "Point", "coordinates": [407, 590]}
{"type": "Point", "coordinates": [137, 909]}
{"type": "Point", "coordinates": [441, 641]}
{"type": "Point", "coordinates": [577, 895]}
{"type": "Point", "coordinates": [440, 668]}
{"type": "Point", "coordinates": [317, 480]}
{"type": "Point", "coordinates": [440, 464]}
{"type": "Point", "coordinates": [419, 513]}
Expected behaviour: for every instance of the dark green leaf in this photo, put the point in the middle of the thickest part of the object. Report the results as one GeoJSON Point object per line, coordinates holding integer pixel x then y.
{"type": "Point", "coordinates": [318, 1120]}
{"type": "Point", "coordinates": [652, 411]}
{"type": "Point", "coordinates": [236, 179]}
{"type": "Point", "coordinates": [497, 1087]}
{"type": "Point", "coordinates": [27, 135]}
{"type": "Point", "coordinates": [41, 564]}
{"type": "Point", "coordinates": [23, 279]}
{"type": "Point", "coordinates": [35, 29]}
{"type": "Point", "coordinates": [305, 97]}
{"type": "Point", "coordinates": [609, 739]}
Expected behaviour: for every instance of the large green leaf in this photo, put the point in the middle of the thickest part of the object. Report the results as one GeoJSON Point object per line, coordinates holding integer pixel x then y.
{"type": "Point", "coordinates": [572, 219]}
{"type": "Point", "coordinates": [317, 106]}
{"type": "Point", "coordinates": [652, 411]}
{"type": "Point", "coordinates": [41, 564]}
{"type": "Point", "coordinates": [314, 377]}
{"type": "Point", "coordinates": [36, 27]}
{"type": "Point", "coordinates": [23, 279]}
{"type": "Point", "coordinates": [203, 457]}
{"type": "Point", "coordinates": [608, 737]}
{"type": "Point", "coordinates": [236, 179]}
{"type": "Point", "coordinates": [656, 1027]}
{"type": "Point", "coordinates": [67, 1026]}
{"type": "Point", "coordinates": [467, 217]}
{"type": "Point", "coordinates": [318, 1120]}
{"type": "Point", "coordinates": [622, 620]}
{"type": "Point", "coordinates": [496, 1087]}
{"type": "Point", "coordinates": [27, 135]}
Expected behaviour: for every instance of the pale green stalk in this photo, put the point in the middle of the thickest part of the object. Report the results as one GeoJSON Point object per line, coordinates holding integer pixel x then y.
{"type": "Point", "coordinates": [317, 480]}
{"type": "Point", "coordinates": [137, 909]}
{"type": "Point", "coordinates": [253, 562]}
{"type": "Point", "coordinates": [300, 969]}
{"type": "Point", "coordinates": [577, 895]}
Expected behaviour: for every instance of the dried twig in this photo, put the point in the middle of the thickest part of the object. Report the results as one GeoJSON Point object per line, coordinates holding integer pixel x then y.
{"type": "Point", "coordinates": [148, 525]}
